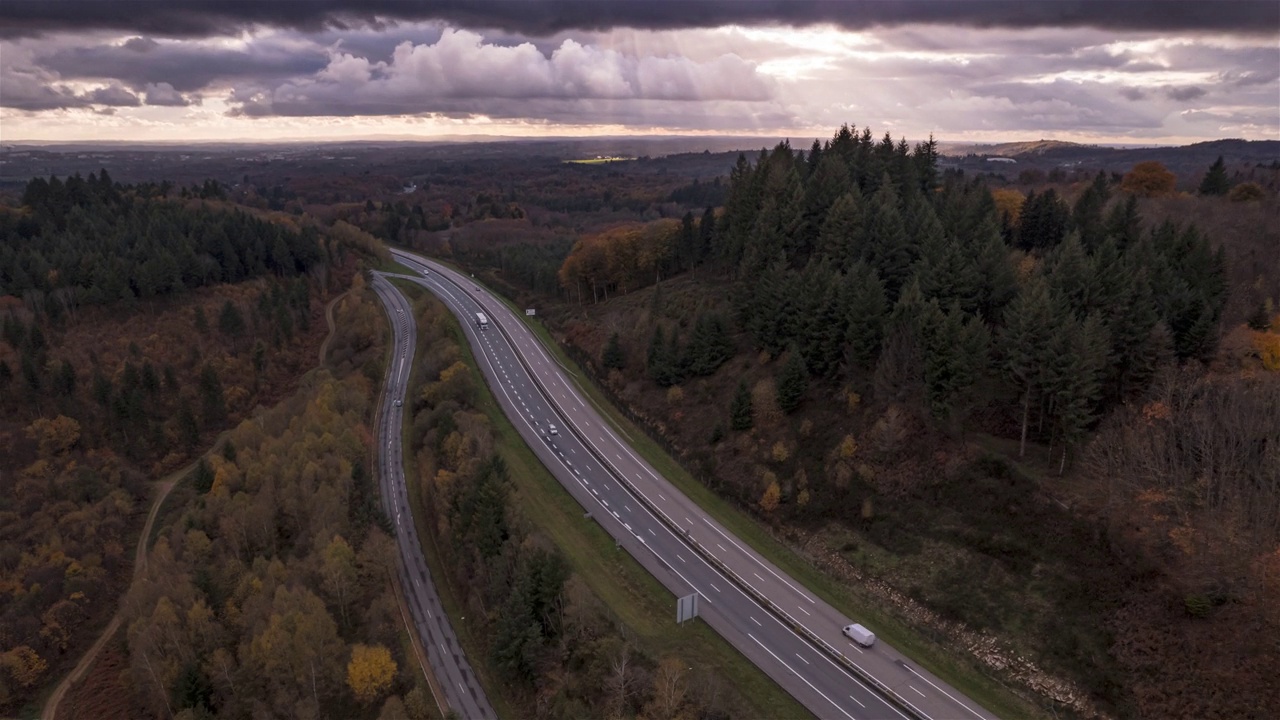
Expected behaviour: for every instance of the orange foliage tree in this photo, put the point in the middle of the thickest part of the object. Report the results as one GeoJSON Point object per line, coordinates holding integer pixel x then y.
{"type": "Point", "coordinates": [621, 259]}
{"type": "Point", "coordinates": [1149, 179]}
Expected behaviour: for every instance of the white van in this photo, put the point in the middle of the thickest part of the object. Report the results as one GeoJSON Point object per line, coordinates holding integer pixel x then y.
{"type": "Point", "coordinates": [860, 635]}
{"type": "Point", "coordinates": [552, 429]}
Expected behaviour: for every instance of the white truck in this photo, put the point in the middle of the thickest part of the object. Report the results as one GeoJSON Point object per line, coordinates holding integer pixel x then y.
{"type": "Point", "coordinates": [860, 635]}
{"type": "Point", "coordinates": [482, 322]}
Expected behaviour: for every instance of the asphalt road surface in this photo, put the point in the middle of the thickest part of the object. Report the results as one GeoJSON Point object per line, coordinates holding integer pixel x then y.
{"type": "Point", "coordinates": [461, 689]}
{"type": "Point", "coordinates": [787, 631]}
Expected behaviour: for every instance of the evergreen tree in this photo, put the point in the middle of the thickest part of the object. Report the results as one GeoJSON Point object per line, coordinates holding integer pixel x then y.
{"type": "Point", "coordinates": [793, 381]}
{"type": "Point", "coordinates": [1259, 319]}
{"type": "Point", "coordinates": [741, 416]}
{"type": "Point", "coordinates": [664, 358]}
{"type": "Point", "coordinates": [885, 245]}
{"type": "Point", "coordinates": [1124, 224]}
{"type": "Point", "coordinates": [215, 406]}
{"type": "Point", "coordinates": [1215, 181]}
{"type": "Point", "coordinates": [1026, 343]}
{"type": "Point", "coordinates": [1086, 216]}
{"type": "Point", "coordinates": [841, 234]}
{"type": "Point", "coordinates": [956, 354]}
{"type": "Point", "coordinates": [1044, 219]}
{"type": "Point", "coordinates": [188, 428]}
{"type": "Point", "coordinates": [6, 374]}
{"type": "Point", "coordinates": [865, 309]}
{"type": "Point", "coordinates": [709, 346]}
{"type": "Point", "coordinates": [612, 358]}
{"type": "Point", "coordinates": [65, 380]}
{"type": "Point", "coordinates": [1075, 381]}
{"type": "Point", "coordinates": [230, 321]}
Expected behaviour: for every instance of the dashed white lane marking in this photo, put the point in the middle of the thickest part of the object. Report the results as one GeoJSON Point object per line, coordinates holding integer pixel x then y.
{"type": "Point", "coordinates": [806, 612]}
{"type": "Point", "coordinates": [806, 662]}
{"type": "Point", "coordinates": [855, 647]}
{"type": "Point", "coordinates": [802, 677]}
{"type": "Point", "coordinates": [651, 532]}
{"type": "Point", "coordinates": [679, 558]}
{"type": "Point", "coordinates": [755, 621]}
{"type": "Point", "coordinates": [713, 587]}
{"type": "Point", "coordinates": [721, 548]}
{"type": "Point", "coordinates": [913, 687]}
{"type": "Point", "coordinates": [857, 701]}
{"type": "Point", "coordinates": [628, 507]}
{"type": "Point", "coordinates": [758, 577]}
{"type": "Point", "coordinates": [660, 495]}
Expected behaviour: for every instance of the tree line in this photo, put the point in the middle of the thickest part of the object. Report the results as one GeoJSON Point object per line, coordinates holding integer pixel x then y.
{"type": "Point", "coordinates": [871, 267]}
{"type": "Point", "coordinates": [92, 241]}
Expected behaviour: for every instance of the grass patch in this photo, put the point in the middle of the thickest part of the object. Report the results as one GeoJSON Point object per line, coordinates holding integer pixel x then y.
{"type": "Point", "coordinates": [633, 595]}
{"type": "Point", "coordinates": [957, 671]}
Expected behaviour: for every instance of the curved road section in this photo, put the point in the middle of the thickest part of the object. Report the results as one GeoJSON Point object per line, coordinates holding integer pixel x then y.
{"type": "Point", "coordinates": [787, 631]}
{"type": "Point", "coordinates": [461, 688]}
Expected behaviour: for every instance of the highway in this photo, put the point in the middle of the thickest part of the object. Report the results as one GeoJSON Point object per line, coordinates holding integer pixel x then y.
{"type": "Point", "coordinates": [792, 635]}
{"type": "Point", "coordinates": [448, 663]}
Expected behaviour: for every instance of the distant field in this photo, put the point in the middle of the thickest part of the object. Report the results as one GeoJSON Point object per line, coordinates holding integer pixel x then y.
{"type": "Point", "coordinates": [599, 160]}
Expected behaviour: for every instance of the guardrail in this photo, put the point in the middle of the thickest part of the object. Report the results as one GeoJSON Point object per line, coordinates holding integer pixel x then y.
{"type": "Point", "coordinates": [795, 625]}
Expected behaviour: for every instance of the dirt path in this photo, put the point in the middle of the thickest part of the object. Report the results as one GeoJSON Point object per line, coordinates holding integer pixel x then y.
{"type": "Point", "coordinates": [163, 488]}
{"type": "Point", "coordinates": [328, 318]}
{"type": "Point", "coordinates": [139, 567]}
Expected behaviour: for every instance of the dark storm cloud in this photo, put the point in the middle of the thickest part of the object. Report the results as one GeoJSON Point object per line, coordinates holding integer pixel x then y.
{"type": "Point", "coordinates": [183, 66]}
{"type": "Point", "coordinates": [194, 18]}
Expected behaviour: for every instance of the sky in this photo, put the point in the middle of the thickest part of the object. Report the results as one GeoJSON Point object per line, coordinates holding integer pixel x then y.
{"type": "Point", "coordinates": [1103, 71]}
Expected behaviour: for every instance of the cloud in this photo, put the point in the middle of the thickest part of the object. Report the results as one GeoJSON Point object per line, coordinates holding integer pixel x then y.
{"type": "Point", "coordinates": [462, 74]}
{"type": "Point", "coordinates": [1133, 93]}
{"type": "Point", "coordinates": [114, 95]}
{"type": "Point", "coordinates": [163, 94]}
{"type": "Point", "coordinates": [1182, 94]}
{"type": "Point", "coordinates": [185, 66]}
{"type": "Point", "coordinates": [200, 18]}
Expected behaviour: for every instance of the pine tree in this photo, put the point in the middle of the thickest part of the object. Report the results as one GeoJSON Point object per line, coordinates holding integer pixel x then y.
{"type": "Point", "coordinates": [1026, 342]}
{"type": "Point", "coordinates": [613, 358]}
{"type": "Point", "coordinates": [741, 416]}
{"type": "Point", "coordinates": [1077, 382]}
{"type": "Point", "coordinates": [1215, 181]}
{"type": "Point", "coordinates": [1086, 216]}
{"type": "Point", "coordinates": [865, 308]}
{"type": "Point", "coordinates": [885, 245]}
{"type": "Point", "coordinates": [841, 234]}
{"type": "Point", "coordinates": [1259, 319]}
{"type": "Point", "coordinates": [215, 407]}
{"type": "Point", "coordinates": [230, 321]}
{"type": "Point", "coordinates": [793, 381]}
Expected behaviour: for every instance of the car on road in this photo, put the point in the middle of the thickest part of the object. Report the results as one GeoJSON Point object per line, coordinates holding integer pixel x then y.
{"type": "Point", "coordinates": [860, 635]}
{"type": "Point", "coordinates": [399, 403]}
{"type": "Point", "coordinates": [424, 271]}
{"type": "Point", "coordinates": [551, 430]}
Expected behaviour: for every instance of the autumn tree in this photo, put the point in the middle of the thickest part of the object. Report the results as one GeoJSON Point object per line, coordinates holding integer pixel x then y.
{"type": "Point", "coordinates": [1149, 178]}
{"type": "Point", "coordinates": [370, 672]}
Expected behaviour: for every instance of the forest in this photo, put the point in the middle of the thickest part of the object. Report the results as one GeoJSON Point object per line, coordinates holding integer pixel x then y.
{"type": "Point", "coordinates": [99, 399]}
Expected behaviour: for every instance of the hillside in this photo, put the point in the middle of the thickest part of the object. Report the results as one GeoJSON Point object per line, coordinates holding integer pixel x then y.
{"type": "Point", "coordinates": [982, 424]}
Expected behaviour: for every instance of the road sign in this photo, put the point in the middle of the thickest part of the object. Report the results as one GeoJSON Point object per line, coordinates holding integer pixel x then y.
{"type": "Point", "coordinates": [687, 608]}
{"type": "Point", "coordinates": [530, 311]}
